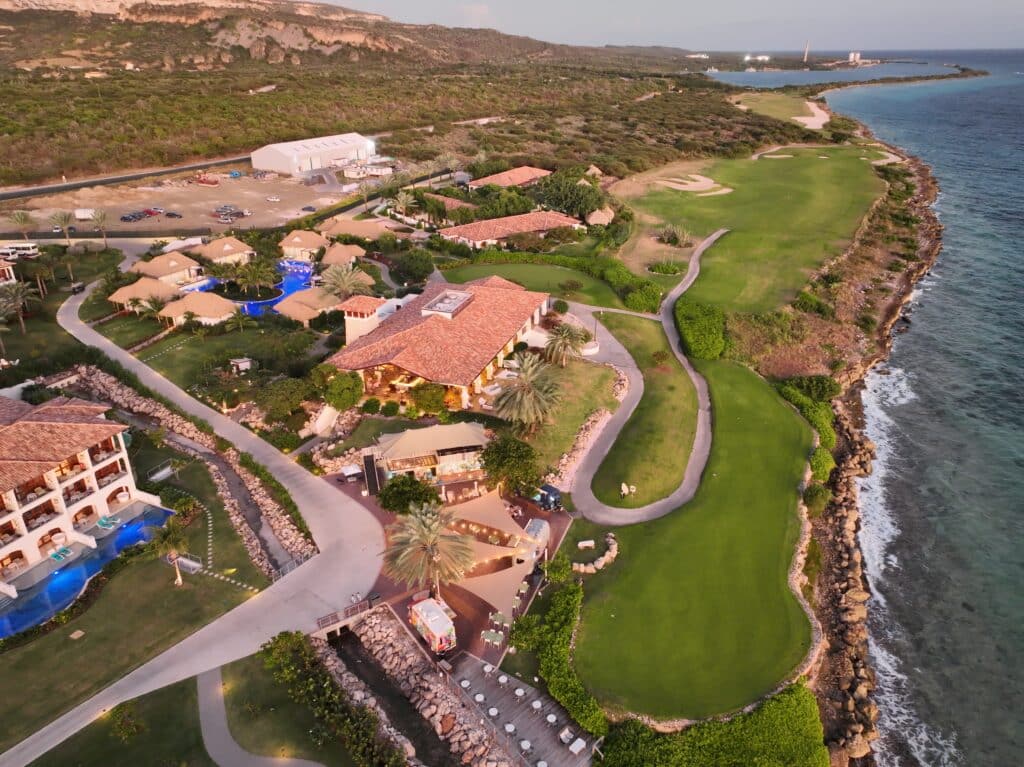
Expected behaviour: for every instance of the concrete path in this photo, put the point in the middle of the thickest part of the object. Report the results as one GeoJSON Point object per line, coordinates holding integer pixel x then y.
{"type": "Point", "coordinates": [385, 274]}
{"type": "Point", "coordinates": [615, 353]}
{"type": "Point", "coordinates": [349, 537]}
{"type": "Point", "coordinates": [220, 744]}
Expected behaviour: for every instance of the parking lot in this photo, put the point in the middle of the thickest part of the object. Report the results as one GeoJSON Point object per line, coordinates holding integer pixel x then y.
{"type": "Point", "coordinates": [194, 202]}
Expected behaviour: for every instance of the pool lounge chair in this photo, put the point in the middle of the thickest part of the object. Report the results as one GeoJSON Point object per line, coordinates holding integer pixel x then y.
{"type": "Point", "coordinates": [56, 556]}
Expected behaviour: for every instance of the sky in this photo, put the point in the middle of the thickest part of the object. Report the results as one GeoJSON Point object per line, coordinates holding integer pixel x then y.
{"type": "Point", "coordinates": [735, 25]}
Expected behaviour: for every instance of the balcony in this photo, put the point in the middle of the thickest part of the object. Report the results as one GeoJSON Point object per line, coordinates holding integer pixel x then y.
{"type": "Point", "coordinates": [75, 493]}
{"type": "Point", "coordinates": [8, 534]}
{"type": "Point", "coordinates": [32, 491]}
{"type": "Point", "coordinates": [110, 478]}
{"type": "Point", "coordinates": [67, 473]}
{"type": "Point", "coordinates": [40, 517]}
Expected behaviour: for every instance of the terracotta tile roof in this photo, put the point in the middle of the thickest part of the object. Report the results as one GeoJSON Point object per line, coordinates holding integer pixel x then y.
{"type": "Point", "coordinates": [304, 305]}
{"type": "Point", "coordinates": [143, 289]}
{"type": "Point", "coordinates": [342, 254]}
{"type": "Point", "coordinates": [450, 203]}
{"type": "Point", "coordinates": [500, 228]}
{"type": "Point", "coordinates": [161, 266]}
{"type": "Point", "coordinates": [302, 238]}
{"type": "Point", "coordinates": [36, 439]}
{"type": "Point", "coordinates": [202, 304]}
{"type": "Point", "coordinates": [448, 351]}
{"type": "Point", "coordinates": [524, 174]}
{"type": "Point", "coordinates": [361, 304]}
{"type": "Point", "coordinates": [224, 247]}
{"type": "Point", "coordinates": [369, 230]}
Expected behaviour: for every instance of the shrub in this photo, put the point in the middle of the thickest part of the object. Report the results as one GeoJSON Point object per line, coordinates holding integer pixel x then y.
{"type": "Point", "coordinates": [389, 408]}
{"type": "Point", "coordinates": [558, 569]}
{"type": "Point", "coordinates": [570, 286]}
{"type": "Point", "coordinates": [560, 306]}
{"type": "Point", "coordinates": [344, 390]}
{"type": "Point", "coordinates": [402, 491]}
{"type": "Point", "coordinates": [414, 266]}
{"type": "Point", "coordinates": [125, 723]}
{"type": "Point", "coordinates": [822, 464]}
{"type": "Point", "coordinates": [819, 388]}
{"type": "Point", "coordinates": [283, 439]}
{"type": "Point", "coordinates": [527, 632]}
{"type": "Point", "coordinates": [280, 399]}
{"type": "Point", "coordinates": [816, 498]}
{"type": "Point", "coordinates": [644, 298]}
{"type": "Point", "coordinates": [666, 267]}
{"type": "Point", "coordinates": [429, 397]}
{"type": "Point", "coordinates": [810, 303]}
{"type": "Point", "coordinates": [818, 414]}
{"type": "Point", "coordinates": [511, 461]}
{"type": "Point", "coordinates": [701, 328]}
{"type": "Point", "coordinates": [371, 406]}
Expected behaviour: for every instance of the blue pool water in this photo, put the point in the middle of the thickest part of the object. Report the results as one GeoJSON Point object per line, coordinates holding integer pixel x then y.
{"type": "Point", "coordinates": [295, 276]}
{"type": "Point", "coordinates": [41, 602]}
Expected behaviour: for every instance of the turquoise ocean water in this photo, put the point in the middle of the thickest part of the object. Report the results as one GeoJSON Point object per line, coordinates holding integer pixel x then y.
{"type": "Point", "coordinates": [943, 513]}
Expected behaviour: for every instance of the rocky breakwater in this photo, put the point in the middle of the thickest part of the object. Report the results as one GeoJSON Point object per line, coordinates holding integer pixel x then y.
{"type": "Point", "coordinates": [361, 695]}
{"type": "Point", "coordinates": [453, 721]}
{"type": "Point", "coordinates": [848, 712]}
{"type": "Point", "coordinates": [323, 454]}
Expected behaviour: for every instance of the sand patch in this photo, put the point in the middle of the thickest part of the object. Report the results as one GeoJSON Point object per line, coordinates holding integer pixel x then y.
{"type": "Point", "coordinates": [693, 183]}
{"type": "Point", "coordinates": [717, 192]}
{"type": "Point", "coordinates": [817, 119]}
{"type": "Point", "coordinates": [776, 156]}
{"type": "Point", "coordinates": [888, 159]}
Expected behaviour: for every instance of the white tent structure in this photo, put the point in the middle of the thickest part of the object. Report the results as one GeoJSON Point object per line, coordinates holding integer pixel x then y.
{"type": "Point", "coordinates": [499, 589]}
{"type": "Point", "coordinates": [297, 157]}
{"type": "Point", "coordinates": [488, 510]}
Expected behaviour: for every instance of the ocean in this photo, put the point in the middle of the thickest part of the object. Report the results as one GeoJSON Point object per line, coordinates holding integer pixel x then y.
{"type": "Point", "coordinates": [943, 512]}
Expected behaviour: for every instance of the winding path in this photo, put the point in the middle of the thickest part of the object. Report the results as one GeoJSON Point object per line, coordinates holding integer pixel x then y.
{"type": "Point", "coordinates": [613, 352]}
{"type": "Point", "coordinates": [220, 744]}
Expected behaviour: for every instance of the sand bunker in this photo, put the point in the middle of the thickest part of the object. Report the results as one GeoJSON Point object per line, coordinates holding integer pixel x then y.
{"type": "Point", "coordinates": [723, 190]}
{"type": "Point", "coordinates": [696, 183]}
{"type": "Point", "coordinates": [776, 156]}
{"type": "Point", "coordinates": [817, 119]}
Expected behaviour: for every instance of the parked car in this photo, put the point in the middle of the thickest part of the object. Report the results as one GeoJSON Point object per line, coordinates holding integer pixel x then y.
{"type": "Point", "coordinates": [273, 198]}
{"type": "Point", "coordinates": [309, 209]}
{"type": "Point", "coordinates": [158, 210]}
{"type": "Point", "coordinates": [128, 218]}
{"type": "Point", "coordinates": [56, 229]}
{"type": "Point", "coordinates": [72, 229]}
{"type": "Point", "coordinates": [226, 220]}
{"type": "Point", "coordinates": [172, 214]}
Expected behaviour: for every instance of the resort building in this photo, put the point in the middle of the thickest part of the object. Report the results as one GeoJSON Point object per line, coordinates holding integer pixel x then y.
{"type": "Point", "coordinates": [302, 245]}
{"type": "Point", "coordinates": [494, 231]}
{"type": "Point", "coordinates": [304, 305]}
{"type": "Point", "coordinates": [142, 290]}
{"type": "Point", "coordinates": [199, 306]}
{"type": "Point", "coordinates": [449, 203]}
{"type": "Point", "coordinates": [172, 268]}
{"type": "Point", "coordinates": [524, 175]}
{"type": "Point", "coordinates": [297, 157]}
{"type": "Point", "coordinates": [7, 275]}
{"type": "Point", "coordinates": [439, 455]}
{"type": "Point", "coordinates": [226, 250]}
{"type": "Point", "coordinates": [65, 481]}
{"type": "Point", "coordinates": [368, 230]}
{"type": "Point", "coordinates": [457, 337]}
{"type": "Point", "coordinates": [343, 255]}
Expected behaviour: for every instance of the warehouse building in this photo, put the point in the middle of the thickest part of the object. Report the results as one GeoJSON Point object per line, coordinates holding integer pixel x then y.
{"type": "Point", "coordinates": [297, 157]}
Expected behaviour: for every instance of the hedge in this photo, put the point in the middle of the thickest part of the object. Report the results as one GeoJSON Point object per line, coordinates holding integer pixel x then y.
{"type": "Point", "coordinates": [818, 414]}
{"type": "Point", "coordinates": [784, 730]}
{"type": "Point", "coordinates": [820, 388]}
{"type": "Point", "coordinates": [816, 498]}
{"type": "Point", "coordinates": [701, 328]}
{"type": "Point", "coordinates": [822, 464]}
{"type": "Point", "coordinates": [555, 665]}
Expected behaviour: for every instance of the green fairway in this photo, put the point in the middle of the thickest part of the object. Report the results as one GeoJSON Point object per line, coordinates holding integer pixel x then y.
{"type": "Point", "coordinates": [695, 617]}
{"type": "Point", "coordinates": [169, 735]}
{"type": "Point", "coordinates": [786, 217]}
{"type": "Point", "coordinates": [781, 106]}
{"type": "Point", "coordinates": [265, 721]}
{"type": "Point", "coordinates": [653, 447]}
{"type": "Point", "coordinates": [129, 330]}
{"type": "Point", "coordinates": [544, 278]}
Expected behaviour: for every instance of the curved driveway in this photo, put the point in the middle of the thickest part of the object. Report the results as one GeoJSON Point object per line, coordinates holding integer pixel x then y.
{"type": "Point", "coordinates": [349, 537]}
{"type": "Point", "coordinates": [615, 353]}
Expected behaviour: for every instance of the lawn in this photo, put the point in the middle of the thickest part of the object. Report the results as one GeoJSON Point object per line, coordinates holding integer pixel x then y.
{"type": "Point", "coordinates": [130, 330]}
{"type": "Point", "coordinates": [786, 217]}
{"type": "Point", "coordinates": [653, 447]}
{"type": "Point", "coordinates": [170, 736]}
{"type": "Point", "coordinates": [585, 387]}
{"type": "Point", "coordinates": [781, 106]}
{"type": "Point", "coordinates": [265, 721]}
{"type": "Point", "coordinates": [368, 429]}
{"type": "Point", "coordinates": [695, 617]}
{"type": "Point", "coordinates": [545, 278]}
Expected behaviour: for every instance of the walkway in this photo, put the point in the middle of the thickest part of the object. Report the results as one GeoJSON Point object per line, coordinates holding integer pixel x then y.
{"type": "Point", "coordinates": [220, 744]}
{"type": "Point", "coordinates": [349, 538]}
{"type": "Point", "coordinates": [613, 352]}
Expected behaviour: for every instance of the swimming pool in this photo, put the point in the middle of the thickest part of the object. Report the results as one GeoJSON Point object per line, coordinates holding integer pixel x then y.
{"type": "Point", "coordinates": [295, 276]}
{"type": "Point", "coordinates": [37, 604]}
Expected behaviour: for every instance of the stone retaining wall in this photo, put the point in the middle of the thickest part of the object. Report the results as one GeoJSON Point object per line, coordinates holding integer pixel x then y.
{"type": "Point", "coordinates": [609, 556]}
{"type": "Point", "coordinates": [343, 426]}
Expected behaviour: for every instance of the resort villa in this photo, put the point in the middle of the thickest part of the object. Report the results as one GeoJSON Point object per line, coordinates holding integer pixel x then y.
{"type": "Point", "coordinates": [343, 255]}
{"type": "Point", "coordinates": [142, 290]}
{"type": "Point", "coordinates": [456, 337]}
{"type": "Point", "coordinates": [302, 245]}
{"type": "Point", "coordinates": [305, 305]}
{"type": "Point", "coordinates": [201, 307]}
{"type": "Point", "coordinates": [494, 231]}
{"type": "Point", "coordinates": [439, 455]}
{"type": "Point", "coordinates": [171, 268]}
{"type": "Point", "coordinates": [338, 226]}
{"type": "Point", "coordinates": [64, 475]}
{"type": "Point", "coordinates": [449, 203]}
{"type": "Point", "coordinates": [226, 250]}
{"type": "Point", "coordinates": [524, 175]}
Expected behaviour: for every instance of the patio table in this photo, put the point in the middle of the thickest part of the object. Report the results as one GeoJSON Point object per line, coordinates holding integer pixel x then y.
{"type": "Point", "coordinates": [552, 719]}
{"type": "Point", "coordinates": [492, 712]}
{"type": "Point", "coordinates": [520, 693]}
{"type": "Point", "coordinates": [479, 698]}
{"type": "Point", "coordinates": [510, 728]}
{"type": "Point", "coordinates": [536, 705]}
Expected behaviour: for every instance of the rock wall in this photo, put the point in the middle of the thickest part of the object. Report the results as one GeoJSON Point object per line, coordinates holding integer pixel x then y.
{"type": "Point", "coordinates": [610, 555]}
{"type": "Point", "coordinates": [403, 660]}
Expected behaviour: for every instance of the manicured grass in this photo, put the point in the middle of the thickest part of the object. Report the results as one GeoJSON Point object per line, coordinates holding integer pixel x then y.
{"type": "Point", "coordinates": [695, 617]}
{"type": "Point", "coordinates": [171, 735]}
{"type": "Point", "coordinates": [183, 358]}
{"type": "Point", "coordinates": [542, 277]}
{"type": "Point", "coordinates": [585, 387]}
{"type": "Point", "coordinates": [371, 427]}
{"type": "Point", "coordinates": [653, 447]}
{"type": "Point", "coordinates": [129, 330]}
{"type": "Point", "coordinates": [786, 218]}
{"type": "Point", "coordinates": [265, 721]}
{"type": "Point", "coordinates": [781, 106]}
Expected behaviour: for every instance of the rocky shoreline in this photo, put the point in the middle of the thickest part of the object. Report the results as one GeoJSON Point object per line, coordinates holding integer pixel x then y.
{"type": "Point", "coordinates": [844, 679]}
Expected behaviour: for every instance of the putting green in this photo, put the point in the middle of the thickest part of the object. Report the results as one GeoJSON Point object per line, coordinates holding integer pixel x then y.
{"type": "Point", "coordinates": [695, 617]}
{"type": "Point", "coordinates": [786, 218]}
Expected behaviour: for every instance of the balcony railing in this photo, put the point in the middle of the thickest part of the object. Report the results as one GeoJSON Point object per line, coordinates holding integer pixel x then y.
{"type": "Point", "coordinates": [9, 536]}
{"type": "Point", "coordinates": [74, 495]}
{"type": "Point", "coordinates": [108, 479]}
{"type": "Point", "coordinates": [70, 473]}
{"type": "Point", "coordinates": [34, 523]}
{"type": "Point", "coordinates": [99, 456]}
{"type": "Point", "coordinates": [30, 496]}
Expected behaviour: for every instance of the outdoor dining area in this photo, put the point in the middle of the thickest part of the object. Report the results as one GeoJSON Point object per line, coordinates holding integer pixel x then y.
{"type": "Point", "coordinates": [527, 722]}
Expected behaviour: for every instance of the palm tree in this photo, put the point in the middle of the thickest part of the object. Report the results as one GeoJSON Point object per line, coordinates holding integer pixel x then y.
{"type": "Point", "coordinates": [22, 221]}
{"type": "Point", "coordinates": [150, 308]}
{"type": "Point", "coordinates": [344, 281]}
{"type": "Point", "coordinates": [99, 220]}
{"type": "Point", "coordinates": [403, 201]}
{"type": "Point", "coordinates": [531, 396]}
{"type": "Point", "coordinates": [68, 261]}
{"type": "Point", "coordinates": [168, 541]}
{"type": "Point", "coordinates": [4, 328]}
{"type": "Point", "coordinates": [256, 275]}
{"type": "Point", "coordinates": [424, 549]}
{"type": "Point", "coordinates": [63, 219]}
{"type": "Point", "coordinates": [240, 321]}
{"type": "Point", "coordinates": [365, 190]}
{"type": "Point", "coordinates": [565, 342]}
{"type": "Point", "coordinates": [14, 297]}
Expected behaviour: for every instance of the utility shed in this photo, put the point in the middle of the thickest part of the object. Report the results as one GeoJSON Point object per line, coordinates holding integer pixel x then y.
{"type": "Point", "coordinates": [297, 157]}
